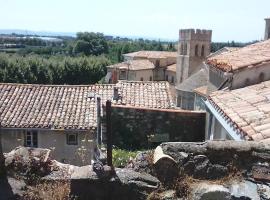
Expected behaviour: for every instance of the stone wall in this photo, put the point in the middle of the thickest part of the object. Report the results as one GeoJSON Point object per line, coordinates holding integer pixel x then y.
{"type": "Point", "coordinates": [135, 128]}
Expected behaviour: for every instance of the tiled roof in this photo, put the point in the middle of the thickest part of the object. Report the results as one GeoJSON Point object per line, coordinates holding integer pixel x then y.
{"type": "Point", "coordinates": [152, 54]}
{"type": "Point", "coordinates": [249, 56]}
{"type": "Point", "coordinates": [171, 68]}
{"type": "Point", "coordinates": [247, 108]}
{"type": "Point", "coordinates": [201, 90]}
{"type": "Point", "coordinates": [223, 50]}
{"type": "Point", "coordinates": [73, 106]}
{"type": "Point", "coordinates": [134, 65]}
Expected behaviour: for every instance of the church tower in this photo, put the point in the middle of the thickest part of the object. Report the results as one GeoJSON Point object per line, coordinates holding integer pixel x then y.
{"type": "Point", "coordinates": [267, 29]}
{"type": "Point", "coordinates": [193, 48]}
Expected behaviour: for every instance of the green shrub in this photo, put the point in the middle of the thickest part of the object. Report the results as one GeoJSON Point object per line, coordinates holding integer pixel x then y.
{"type": "Point", "coordinates": [122, 157]}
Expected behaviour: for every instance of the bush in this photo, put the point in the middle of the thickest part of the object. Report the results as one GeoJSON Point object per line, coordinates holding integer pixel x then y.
{"type": "Point", "coordinates": [122, 157]}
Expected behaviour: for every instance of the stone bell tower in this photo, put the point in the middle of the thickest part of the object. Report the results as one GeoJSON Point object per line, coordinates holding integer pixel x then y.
{"type": "Point", "coordinates": [267, 29]}
{"type": "Point", "coordinates": [193, 48]}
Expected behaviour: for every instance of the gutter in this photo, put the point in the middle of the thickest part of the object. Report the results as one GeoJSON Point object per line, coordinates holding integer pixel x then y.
{"type": "Point", "coordinates": [233, 132]}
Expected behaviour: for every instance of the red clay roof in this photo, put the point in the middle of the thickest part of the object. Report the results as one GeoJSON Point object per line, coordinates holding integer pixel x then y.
{"type": "Point", "coordinates": [73, 106]}
{"type": "Point", "coordinates": [250, 56]}
{"type": "Point", "coordinates": [134, 65]}
{"type": "Point", "coordinates": [171, 68]}
{"type": "Point", "coordinates": [248, 108]}
{"type": "Point", "coordinates": [152, 54]}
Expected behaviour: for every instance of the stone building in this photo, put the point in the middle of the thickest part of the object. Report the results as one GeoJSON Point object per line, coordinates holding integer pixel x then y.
{"type": "Point", "coordinates": [267, 29]}
{"type": "Point", "coordinates": [68, 118]}
{"type": "Point", "coordinates": [236, 69]}
{"type": "Point", "coordinates": [136, 70]}
{"type": "Point", "coordinates": [191, 73]}
{"type": "Point", "coordinates": [143, 66]}
{"type": "Point", "coordinates": [241, 114]}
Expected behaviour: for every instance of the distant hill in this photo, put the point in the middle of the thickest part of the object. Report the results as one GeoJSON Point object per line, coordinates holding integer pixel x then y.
{"type": "Point", "coordinates": [73, 34]}
{"type": "Point", "coordinates": [38, 33]}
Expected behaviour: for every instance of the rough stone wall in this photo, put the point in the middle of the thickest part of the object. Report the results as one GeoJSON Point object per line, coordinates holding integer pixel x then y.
{"type": "Point", "coordinates": [135, 128]}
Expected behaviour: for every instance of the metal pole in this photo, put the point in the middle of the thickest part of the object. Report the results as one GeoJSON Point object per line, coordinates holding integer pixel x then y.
{"type": "Point", "coordinates": [109, 132]}
{"type": "Point", "coordinates": [98, 121]}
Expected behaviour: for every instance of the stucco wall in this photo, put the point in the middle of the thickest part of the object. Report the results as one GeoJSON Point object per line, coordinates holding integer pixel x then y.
{"type": "Point", "coordinates": [135, 128]}
{"type": "Point", "coordinates": [250, 76]}
{"type": "Point", "coordinates": [80, 154]}
{"type": "Point", "coordinates": [145, 74]}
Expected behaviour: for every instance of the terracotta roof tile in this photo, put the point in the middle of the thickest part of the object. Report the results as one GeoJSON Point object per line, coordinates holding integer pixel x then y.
{"type": "Point", "coordinates": [134, 65]}
{"type": "Point", "coordinates": [73, 106]}
{"type": "Point", "coordinates": [171, 68]}
{"type": "Point", "coordinates": [250, 56]}
{"type": "Point", "coordinates": [152, 54]}
{"type": "Point", "coordinates": [248, 108]}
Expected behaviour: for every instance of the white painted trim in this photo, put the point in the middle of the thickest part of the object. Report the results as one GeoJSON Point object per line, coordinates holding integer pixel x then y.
{"type": "Point", "coordinates": [227, 126]}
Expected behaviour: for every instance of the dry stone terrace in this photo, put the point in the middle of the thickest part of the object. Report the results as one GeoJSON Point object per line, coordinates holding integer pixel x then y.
{"type": "Point", "coordinates": [73, 106]}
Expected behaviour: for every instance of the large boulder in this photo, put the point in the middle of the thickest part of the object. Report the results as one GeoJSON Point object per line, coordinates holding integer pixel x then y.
{"type": "Point", "coordinates": [207, 191]}
{"type": "Point", "coordinates": [116, 184]}
{"type": "Point", "coordinates": [244, 190]}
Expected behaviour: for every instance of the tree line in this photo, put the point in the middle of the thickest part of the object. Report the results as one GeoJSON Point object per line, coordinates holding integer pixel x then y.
{"type": "Point", "coordinates": [52, 69]}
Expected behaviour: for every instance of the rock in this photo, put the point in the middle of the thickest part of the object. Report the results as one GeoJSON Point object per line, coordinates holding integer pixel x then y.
{"type": "Point", "coordinates": [201, 165]}
{"type": "Point", "coordinates": [11, 188]}
{"type": "Point", "coordinates": [205, 191]}
{"type": "Point", "coordinates": [142, 162]}
{"type": "Point", "coordinates": [244, 190]}
{"type": "Point", "coordinates": [25, 160]}
{"type": "Point", "coordinates": [216, 171]}
{"type": "Point", "coordinates": [264, 191]}
{"type": "Point", "coordinates": [168, 195]}
{"type": "Point", "coordinates": [123, 184]}
{"type": "Point", "coordinates": [165, 166]}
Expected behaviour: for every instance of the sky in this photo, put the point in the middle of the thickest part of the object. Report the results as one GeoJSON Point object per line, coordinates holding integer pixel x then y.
{"type": "Point", "coordinates": [238, 20]}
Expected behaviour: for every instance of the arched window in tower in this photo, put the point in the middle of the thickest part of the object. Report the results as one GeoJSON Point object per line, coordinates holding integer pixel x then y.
{"type": "Point", "coordinates": [196, 50]}
{"type": "Point", "coordinates": [261, 77]}
{"type": "Point", "coordinates": [185, 49]}
{"type": "Point", "coordinates": [202, 51]}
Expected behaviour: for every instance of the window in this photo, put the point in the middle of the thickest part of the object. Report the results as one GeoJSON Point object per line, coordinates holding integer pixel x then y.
{"type": "Point", "coordinates": [261, 77]}
{"type": "Point", "coordinates": [72, 139]}
{"type": "Point", "coordinates": [141, 78]}
{"type": "Point", "coordinates": [167, 77]}
{"type": "Point", "coordinates": [122, 75]}
{"type": "Point", "coordinates": [172, 80]}
{"type": "Point", "coordinates": [185, 49]}
{"type": "Point", "coordinates": [196, 50]}
{"type": "Point", "coordinates": [31, 139]}
{"type": "Point", "coordinates": [247, 82]}
{"type": "Point", "coordinates": [157, 63]}
{"type": "Point", "coordinates": [150, 79]}
{"type": "Point", "coordinates": [202, 51]}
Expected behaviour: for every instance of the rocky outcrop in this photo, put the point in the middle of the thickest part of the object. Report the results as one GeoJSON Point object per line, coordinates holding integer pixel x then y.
{"type": "Point", "coordinates": [115, 184]}
{"type": "Point", "coordinates": [219, 169]}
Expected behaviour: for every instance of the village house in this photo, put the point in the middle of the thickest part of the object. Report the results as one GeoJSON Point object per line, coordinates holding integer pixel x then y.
{"type": "Point", "coordinates": [144, 66]}
{"type": "Point", "coordinates": [239, 111]}
{"type": "Point", "coordinates": [236, 69]}
{"type": "Point", "coordinates": [241, 114]}
{"type": "Point", "coordinates": [66, 118]}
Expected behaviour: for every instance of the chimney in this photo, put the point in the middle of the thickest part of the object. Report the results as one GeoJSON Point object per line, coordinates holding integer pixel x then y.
{"type": "Point", "coordinates": [115, 94]}
{"type": "Point", "coordinates": [267, 29]}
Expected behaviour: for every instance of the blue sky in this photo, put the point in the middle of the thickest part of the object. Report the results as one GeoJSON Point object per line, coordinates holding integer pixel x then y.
{"type": "Point", "coordinates": [239, 20]}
